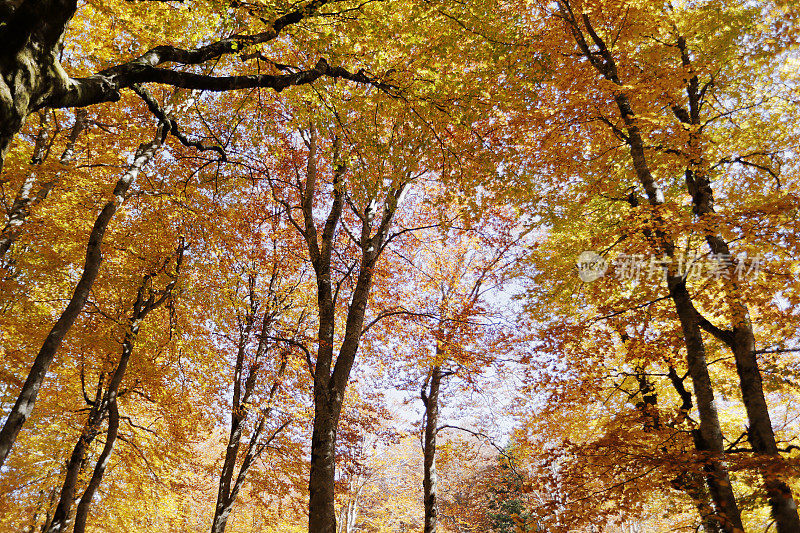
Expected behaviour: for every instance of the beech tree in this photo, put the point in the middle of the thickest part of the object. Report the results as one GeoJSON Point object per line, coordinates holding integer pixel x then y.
{"type": "Point", "coordinates": [349, 179]}
{"type": "Point", "coordinates": [644, 82]}
{"type": "Point", "coordinates": [369, 236]}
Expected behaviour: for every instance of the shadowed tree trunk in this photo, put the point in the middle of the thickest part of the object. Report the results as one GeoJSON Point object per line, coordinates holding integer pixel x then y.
{"type": "Point", "coordinates": [82, 512]}
{"type": "Point", "coordinates": [708, 438]}
{"type": "Point", "coordinates": [691, 483]}
{"type": "Point", "coordinates": [77, 461]}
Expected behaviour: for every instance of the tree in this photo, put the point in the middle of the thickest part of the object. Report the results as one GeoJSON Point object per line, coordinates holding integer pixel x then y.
{"type": "Point", "coordinates": [631, 82]}
{"type": "Point", "coordinates": [261, 298]}
{"type": "Point", "coordinates": [369, 237]}
{"type": "Point", "coordinates": [34, 77]}
{"type": "Point", "coordinates": [31, 47]}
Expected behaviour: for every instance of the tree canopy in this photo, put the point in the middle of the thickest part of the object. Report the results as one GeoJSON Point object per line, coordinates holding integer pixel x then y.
{"type": "Point", "coordinates": [363, 265]}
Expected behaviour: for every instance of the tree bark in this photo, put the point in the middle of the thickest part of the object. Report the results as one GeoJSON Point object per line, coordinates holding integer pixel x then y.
{"type": "Point", "coordinates": [76, 463]}
{"type": "Point", "coordinates": [30, 71]}
{"type": "Point", "coordinates": [82, 512]}
{"type": "Point", "coordinates": [242, 390]}
{"type": "Point", "coordinates": [30, 389]}
{"type": "Point", "coordinates": [741, 338]}
{"type": "Point", "coordinates": [692, 483]}
{"type": "Point", "coordinates": [106, 402]}
{"type": "Point", "coordinates": [708, 439]}
{"type": "Point", "coordinates": [321, 483]}
{"type": "Point", "coordinates": [430, 399]}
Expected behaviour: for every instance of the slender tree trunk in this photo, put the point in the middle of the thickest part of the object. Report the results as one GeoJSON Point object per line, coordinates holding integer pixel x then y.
{"type": "Point", "coordinates": [431, 401]}
{"type": "Point", "coordinates": [146, 301]}
{"type": "Point", "coordinates": [76, 463]}
{"type": "Point", "coordinates": [691, 483]}
{"type": "Point", "coordinates": [26, 196]}
{"type": "Point", "coordinates": [352, 515]}
{"type": "Point", "coordinates": [243, 388]}
{"type": "Point", "coordinates": [82, 512]}
{"type": "Point", "coordinates": [238, 415]}
{"type": "Point", "coordinates": [30, 389]}
{"type": "Point", "coordinates": [51, 502]}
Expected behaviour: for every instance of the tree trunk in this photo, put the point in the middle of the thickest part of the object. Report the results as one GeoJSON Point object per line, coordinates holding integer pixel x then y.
{"type": "Point", "coordinates": [82, 512]}
{"type": "Point", "coordinates": [238, 415]}
{"type": "Point", "coordinates": [146, 301]}
{"type": "Point", "coordinates": [331, 377]}
{"type": "Point", "coordinates": [30, 71]}
{"type": "Point", "coordinates": [30, 389]}
{"type": "Point", "coordinates": [710, 443]}
{"type": "Point", "coordinates": [76, 463]}
{"type": "Point", "coordinates": [708, 439]}
{"type": "Point", "coordinates": [26, 198]}
{"type": "Point", "coordinates": [431, 401]}
{"type": "Point", "coordinates": [321, 484]}
{"type": "Point", "coordinates": [741, 339]}
{"type": "Point", "coordinates": [242, 390]}
{"type": "Point", "coordinates": [692, 483]}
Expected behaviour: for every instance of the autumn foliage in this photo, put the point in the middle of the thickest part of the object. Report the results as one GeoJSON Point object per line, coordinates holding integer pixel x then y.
{"type": "Point", "coordinates": [345, 266]}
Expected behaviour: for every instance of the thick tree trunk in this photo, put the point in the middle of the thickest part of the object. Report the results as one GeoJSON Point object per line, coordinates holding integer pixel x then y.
{"type": "Point", "coordinates": [30, 71]}
{"type": "Point", "coordinates": [741, 341]}
{"type": "Point", "coordinates": [431, 400]}
{"type": "Point", "coordinates": [30, 389]}
{"type": "Point", "coordinates": [322, 478]}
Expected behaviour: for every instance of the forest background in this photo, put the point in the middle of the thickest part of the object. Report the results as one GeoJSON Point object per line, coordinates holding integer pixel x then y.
{"type": "Point", "coordinates": [321, 265]}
